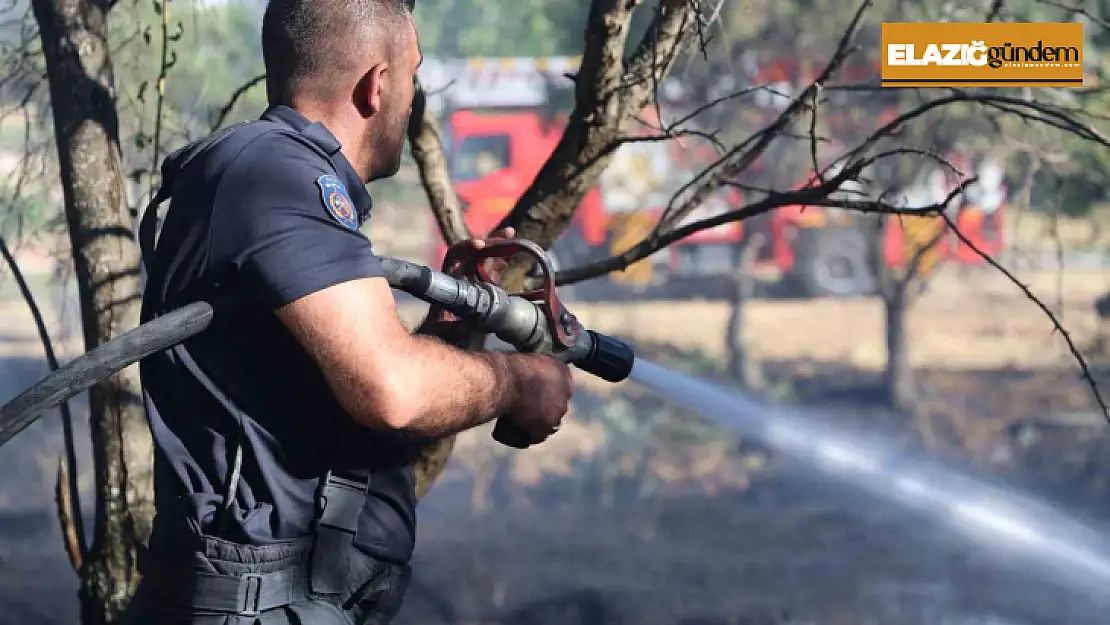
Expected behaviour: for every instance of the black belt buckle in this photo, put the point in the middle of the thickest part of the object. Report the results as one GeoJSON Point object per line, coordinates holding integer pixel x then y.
{"type": "Point", "coordinates": [250, 594]}
{"type": "Point", "coordinates": [343, 500]}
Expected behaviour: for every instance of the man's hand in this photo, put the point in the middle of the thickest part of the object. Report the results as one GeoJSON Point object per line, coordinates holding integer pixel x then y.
{"type": "Point", "coordinates": [544, 390]}
{"type": "Point", "coordinates": [494, 265]}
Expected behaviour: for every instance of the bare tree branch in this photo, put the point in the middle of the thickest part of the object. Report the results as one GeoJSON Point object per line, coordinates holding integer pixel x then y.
{"type": "Point", "coordinates": [1075, 10]}
{"type": "Point", "coordinates": [69, 500]}
{"type": "Point", "coordinates": [427, 150]}
{"type": "Point", "coordinates": [677, 129]}
{"type": "Point", "coordinates": [718, 174]}
{"type": "Point", "coordinates": [739, 159]}
{"type": "Point", "coordinates": [65, 497]}
{"type": "Point", "coordinates": [236, 95]}
{"type": "Point", "coordinates": [816, 195]}
{"type": "Point", "coordinates": [1056, 324]}
{"type": "Point", "coordinates": [167, 61]}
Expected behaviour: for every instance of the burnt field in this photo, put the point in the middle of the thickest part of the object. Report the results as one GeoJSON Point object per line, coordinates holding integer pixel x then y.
{"type": "Point", "coordinates": [638, 512]}
{"type": "Point", "coordinates": [676, 528]}
{"type": "Point", "coordinates": [789, 549]}
{"type": "Point", "coordinates": [669, 531]}
{"type": "Point", "coordinates": [649, 516]}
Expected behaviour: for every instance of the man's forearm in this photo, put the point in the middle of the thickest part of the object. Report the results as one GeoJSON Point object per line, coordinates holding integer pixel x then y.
{"type": "Point", "coordinates": [444, 390]}
{"type": "Point", "coordinates": [439, 326]}
{"type": "Point", "coordinates": [386, 378]}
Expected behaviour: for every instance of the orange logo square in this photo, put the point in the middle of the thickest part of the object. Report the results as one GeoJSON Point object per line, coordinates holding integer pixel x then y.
{"type": "Point", "coordinates": [970, 54]}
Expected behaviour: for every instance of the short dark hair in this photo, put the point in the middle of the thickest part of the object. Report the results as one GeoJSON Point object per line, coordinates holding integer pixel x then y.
{"type": "Point", "coordinates": [305, 42]}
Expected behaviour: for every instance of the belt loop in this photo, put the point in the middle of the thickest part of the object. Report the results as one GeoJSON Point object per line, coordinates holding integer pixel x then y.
{"type": "Point", "coordinates": [250, 594]}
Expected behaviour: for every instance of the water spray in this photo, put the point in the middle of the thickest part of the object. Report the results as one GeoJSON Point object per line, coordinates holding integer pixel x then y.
{"type": "Point", "coordinates": [988, 512]}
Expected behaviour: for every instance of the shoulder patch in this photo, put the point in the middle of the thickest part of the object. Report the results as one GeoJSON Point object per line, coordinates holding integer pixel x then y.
{"type": "Point", "coordinates": [335, 198]}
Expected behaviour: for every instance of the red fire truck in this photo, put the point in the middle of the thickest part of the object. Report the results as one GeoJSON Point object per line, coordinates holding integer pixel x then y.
{"type": "Point", "coordinates": [500, 124]}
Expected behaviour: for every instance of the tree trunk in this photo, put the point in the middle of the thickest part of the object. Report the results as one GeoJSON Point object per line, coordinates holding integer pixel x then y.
{"type": "Point", "coordinates": [611, 90]}
{"type": "Point", "coordinates": [741, 364]}
{"type": "Point", "coordinates": [899, 379]}
{"type": "Point", "coordinates": [105, 256]}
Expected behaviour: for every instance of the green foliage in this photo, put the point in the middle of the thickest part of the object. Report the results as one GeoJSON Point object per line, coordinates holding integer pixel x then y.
{"type": "Point", "coordinates": [1083, 179]}
{"type": "Point", "coordinates": [212, 51]}
{"type": "Point", "coordinates": [23, 214]}
{"type": "Point", "coordinates": [1080, 182]}
{"type": "Point", "coordinates": [518, 28]}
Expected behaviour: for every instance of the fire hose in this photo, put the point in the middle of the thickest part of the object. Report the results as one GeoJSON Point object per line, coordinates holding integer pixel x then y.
{"type": "Point", "coordinates": [533, 320]}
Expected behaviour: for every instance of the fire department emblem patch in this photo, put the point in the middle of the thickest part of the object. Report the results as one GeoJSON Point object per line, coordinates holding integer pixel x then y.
{"type": "Point", "coordinates": [336, 200]}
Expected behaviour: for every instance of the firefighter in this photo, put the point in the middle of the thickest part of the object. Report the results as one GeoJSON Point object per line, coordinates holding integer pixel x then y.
{"type": "Point", "coordinates": [285, 433]}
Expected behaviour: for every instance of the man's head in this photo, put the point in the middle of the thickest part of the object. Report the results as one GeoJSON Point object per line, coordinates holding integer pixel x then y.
{"type": "Point", "coordinates": [352, 63]}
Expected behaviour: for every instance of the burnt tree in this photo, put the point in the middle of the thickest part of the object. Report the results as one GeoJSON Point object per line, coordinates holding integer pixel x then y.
{"type": "Point", "coordinates": [742, 365]}
{"type": "Point", "coordinates": [898, 288]}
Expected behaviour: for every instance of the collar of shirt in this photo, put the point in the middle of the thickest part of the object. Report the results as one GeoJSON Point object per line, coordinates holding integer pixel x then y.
{"type": "Point", "coordinates": [326, 141]}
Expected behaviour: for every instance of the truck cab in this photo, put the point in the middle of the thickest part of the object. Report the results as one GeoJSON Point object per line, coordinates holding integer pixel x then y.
{"type": "Point", "coordinates": [492, 159]}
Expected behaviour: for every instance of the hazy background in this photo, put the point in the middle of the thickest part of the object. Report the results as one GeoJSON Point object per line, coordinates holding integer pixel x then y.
{"type": "Point", "coordinates": [639, 511]}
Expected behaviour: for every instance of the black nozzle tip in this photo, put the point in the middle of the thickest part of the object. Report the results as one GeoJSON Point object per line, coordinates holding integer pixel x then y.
{"type": "Point", "coordinates": [611, 359]}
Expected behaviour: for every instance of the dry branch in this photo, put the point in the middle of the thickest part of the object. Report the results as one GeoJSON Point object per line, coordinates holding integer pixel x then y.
{"type": "Point", "coordinates": [431, 163]}
{"type": "Point", "coordinates": [67, 493]}
{"type": "Point", "coordinates": [1056, 324]}
{"type": "Point", "coordinates": [69, 514]}
{"type": "Point", "coordinates": [694, 193]}
{"type": "Point", "coordinates": [810, 196]}
{"type": "Point", "coordinates": [168, 59]}
{"type": "Point", "coordinates": [236, 95]}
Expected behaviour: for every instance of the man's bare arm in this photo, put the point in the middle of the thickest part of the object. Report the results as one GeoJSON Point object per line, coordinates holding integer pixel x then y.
{"type": "Point", "coordinates": [387, 378]}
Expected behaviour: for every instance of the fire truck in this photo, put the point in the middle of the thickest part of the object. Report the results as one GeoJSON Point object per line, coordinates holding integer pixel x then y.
{"type": "Point", "coordinates": [836, 252]}
{"type": "Point", "coordinates": [824, 251]}
{"type": "Point", "coordinates": [502, 118]}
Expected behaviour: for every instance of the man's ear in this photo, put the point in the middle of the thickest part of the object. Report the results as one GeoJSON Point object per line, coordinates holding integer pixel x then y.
{"type": "Point", "coordinates": [371, 89]}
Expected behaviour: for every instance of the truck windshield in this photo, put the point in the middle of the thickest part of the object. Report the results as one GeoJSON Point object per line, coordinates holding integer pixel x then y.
{"type": "Point", "coordinates": [478, 156]}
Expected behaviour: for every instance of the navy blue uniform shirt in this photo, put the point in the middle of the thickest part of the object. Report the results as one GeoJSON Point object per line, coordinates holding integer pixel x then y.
{"type": "Point", "coordinates": [269, 217]}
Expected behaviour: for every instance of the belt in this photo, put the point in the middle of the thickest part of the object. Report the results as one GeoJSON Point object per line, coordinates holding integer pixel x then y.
{"type": "Point", "coordinates": [244, 595]}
